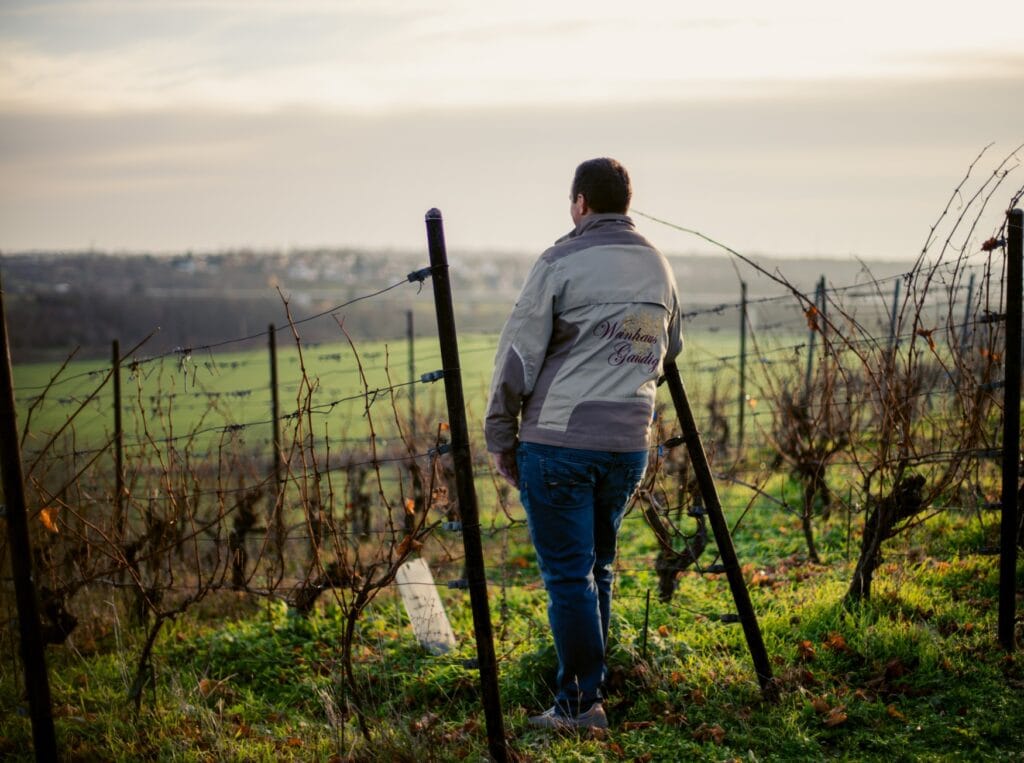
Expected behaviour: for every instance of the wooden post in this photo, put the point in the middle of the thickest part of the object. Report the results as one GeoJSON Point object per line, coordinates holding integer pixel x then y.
{"type": "Point", "coordinates": [33, 650]}
{"type": "Point", "coordinates": [713, 506]}
{"type": "Point", "coordinates": [1011, 433]}
{"type": "Point", "coordinates": [462, 460]}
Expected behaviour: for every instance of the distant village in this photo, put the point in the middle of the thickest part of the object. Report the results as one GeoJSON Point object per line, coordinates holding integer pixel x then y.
{"type": "Point", "coordinates": [57, 302]}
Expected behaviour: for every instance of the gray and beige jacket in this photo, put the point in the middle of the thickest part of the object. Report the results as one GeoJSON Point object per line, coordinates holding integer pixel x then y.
{"type": "Point", "coordinates": [580, 355]}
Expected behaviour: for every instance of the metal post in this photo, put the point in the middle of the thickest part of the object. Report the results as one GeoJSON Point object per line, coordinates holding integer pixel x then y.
{"type": "Point", "coordinates": [822, 297]}
{"type": "Point", "coordinates": [278, 465]}
{"type": "Point", "coordinates": [275, 403]}
{"type": "Point", "coordinates": [892, 320]}
{"type": "Point", "coordinates": [965, 327]}
{"type": "Point", "coordinates": [33, 650]}
{"type": "Point", "coordinates": [812, 336]}
{"type": "Point", "coordinates": [1011, 433]}
{"type": "Point", "coordinates": [890, 353]}
{"type": "Point", "coordinates": [411, 340]}
{"type": "Point", "coordinates": [713, 506]}
{"type": "Point", "coordinates": [826, 397]}
{"type": "Point", "coordinates": [743, 367]}
{"type": "Point", "coordinates": [120, 522]}
{"type": "Point", "coordinates": [462, 461]}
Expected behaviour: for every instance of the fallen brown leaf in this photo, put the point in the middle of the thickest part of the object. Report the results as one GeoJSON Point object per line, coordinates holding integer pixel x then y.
{"type": "Point", "coordinates": [425, 721]}
{"type": "Point", "coordinates": [634, 725]}
{"type": "Point", "coordinates": [836, 642]}
{"type": "Point", "coordinates": [836, 716]}
{"type": "Point", "coordinates": [706, 733]}
{"type": "Point", "coordinates": [895, 668]}
{"type": "Point", "coordinates": [676, 719]}
{"type": "Point", "coordinates": [805, 651]}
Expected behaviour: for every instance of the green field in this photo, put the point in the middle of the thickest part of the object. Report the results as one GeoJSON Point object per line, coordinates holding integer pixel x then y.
{"type": "Point", "coordinates": [174, 397]}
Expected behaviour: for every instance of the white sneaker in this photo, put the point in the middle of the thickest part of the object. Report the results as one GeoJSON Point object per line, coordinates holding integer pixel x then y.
{"type": "Point", "coordinates": [555, 718]}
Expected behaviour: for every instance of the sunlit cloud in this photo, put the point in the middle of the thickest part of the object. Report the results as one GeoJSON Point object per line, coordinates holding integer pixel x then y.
{"type": "Point", "coordinates": [101, 56]}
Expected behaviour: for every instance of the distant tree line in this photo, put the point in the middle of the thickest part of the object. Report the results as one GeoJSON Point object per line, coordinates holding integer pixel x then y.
{"type": "Point", "coordinates": [59, 302]}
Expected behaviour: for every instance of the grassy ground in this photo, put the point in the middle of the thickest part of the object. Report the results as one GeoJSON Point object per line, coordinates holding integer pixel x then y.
{"type": "Point", "coordinates": [916, 674]}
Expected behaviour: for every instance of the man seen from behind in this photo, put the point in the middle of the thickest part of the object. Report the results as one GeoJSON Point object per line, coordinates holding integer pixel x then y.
{"type": "Point", "coordinates": [569, 416]}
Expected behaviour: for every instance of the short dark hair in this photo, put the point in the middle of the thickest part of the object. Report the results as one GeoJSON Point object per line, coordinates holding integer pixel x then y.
{"type": "Point", "coordinates": [605, 185]}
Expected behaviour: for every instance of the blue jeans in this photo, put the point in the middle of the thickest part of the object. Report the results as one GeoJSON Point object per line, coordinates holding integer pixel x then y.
{"type": "Point", "coordinates": [574, 501]}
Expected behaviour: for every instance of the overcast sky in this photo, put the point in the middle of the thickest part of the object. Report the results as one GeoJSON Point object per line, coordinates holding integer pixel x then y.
{"type": "Point", "coordinates": [789, 128]}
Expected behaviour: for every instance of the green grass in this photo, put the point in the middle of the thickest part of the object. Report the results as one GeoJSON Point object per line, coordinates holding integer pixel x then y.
{"type": "Point", "coordinates": [914, 674]}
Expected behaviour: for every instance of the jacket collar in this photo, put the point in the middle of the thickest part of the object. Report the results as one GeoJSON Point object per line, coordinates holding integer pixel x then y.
{"type": "Point", "coordinates": [594, 221]}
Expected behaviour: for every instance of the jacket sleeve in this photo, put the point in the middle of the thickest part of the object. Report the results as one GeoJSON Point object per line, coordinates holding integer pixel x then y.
{"type": "Point", "coordinates": [521, 352]}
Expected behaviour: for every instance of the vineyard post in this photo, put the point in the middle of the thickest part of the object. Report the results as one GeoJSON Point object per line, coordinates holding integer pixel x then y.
{"type": "Point", "coordinates": [1011, 433]}
{"type": "Point", "coordinates": [823, 310]}
{"type": "Point", "coordinates": [892, 320]}
{"type": "Point", "coordinates": [33, 649]}
{"type": "Point", "coordinates": [411, 337]}
{"type": "Point", "coordinates": [713, 506]}
{"type": "Point", "coordinates": [119, 517]}
{"type": "Point", "coordinates": [893, 346]}
{"type": "Point", "coordinates": [965, 326]}
{"type": "Point", "coordinates": [743, 367]}
{"type": "Point", "coordinates": [278, 463]}
{"type": "Point", "coordinates": [476, 579]}
{"type": "Point", "coordinates": [819, 304]}
{"type": "Point", "coordinates": [811, 339]}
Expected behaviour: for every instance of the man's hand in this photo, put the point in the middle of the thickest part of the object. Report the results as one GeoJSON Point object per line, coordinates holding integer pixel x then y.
{"type": "Point", "coordinates": [505, 463]}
